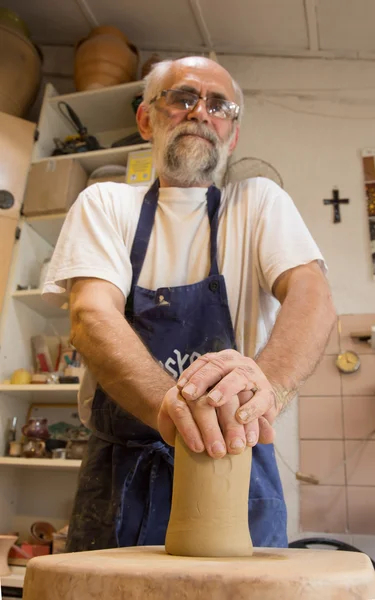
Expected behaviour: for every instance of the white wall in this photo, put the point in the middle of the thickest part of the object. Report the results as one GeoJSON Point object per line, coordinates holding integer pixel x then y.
{"type": "Point", "coordinates": [310, 118]}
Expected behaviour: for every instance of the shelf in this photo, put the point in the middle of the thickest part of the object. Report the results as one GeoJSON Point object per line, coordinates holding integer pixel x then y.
{"type": "Point", "coordinates": [15, 578]}
{"type": "Point", "coordinates": [43, 393]}
{"type": "Point", "coordinates": [47, 226]}
{"type": "Point", "coordinates": [99, 158]}
{"type": "Point", "coordinates": [102, 109]}
{"type": "Point", "coordinates": [33, 299]}
{"type": "Point", "coordinates": [40, 387]}
{"type": "Point", "coordinates": [41, 463]}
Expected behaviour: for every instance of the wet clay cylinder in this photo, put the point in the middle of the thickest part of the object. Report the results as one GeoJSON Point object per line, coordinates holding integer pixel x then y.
{"type": "Point", "coordinates": [149, 573]}
{"type": "Point", "coordinates": [209, 515]}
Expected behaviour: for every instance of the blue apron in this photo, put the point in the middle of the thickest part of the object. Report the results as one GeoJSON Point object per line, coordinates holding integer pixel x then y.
{"type": "Point", "coordinates": [125, 485]}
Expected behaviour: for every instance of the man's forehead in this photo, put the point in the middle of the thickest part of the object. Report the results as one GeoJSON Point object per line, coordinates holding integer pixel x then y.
{"type": "Point", "coordinates": [200, 73]}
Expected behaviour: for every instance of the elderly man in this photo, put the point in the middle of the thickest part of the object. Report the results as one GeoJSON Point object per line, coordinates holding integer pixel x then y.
{"type": "Point", "coordinates": [198, 274]}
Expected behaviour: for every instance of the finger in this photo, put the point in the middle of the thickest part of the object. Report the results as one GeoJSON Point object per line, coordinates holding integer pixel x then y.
{"type": "Point", "coordinates": [206, 419]}
{"type": "Point", "coordinates": [175, 414]}
{"type": "Point", "coordinates": [223, 355]}
{"type": "Point", "coordinates": [267, 433]}
{"type": "Point", "coordinates": [256, 407]}
{"type": "Point", "coordinates": [211, 368]}
{"type": "Point", "coordinates": [252, 433]}
{"type": "Point", "coordinates": [239, 380]}
{"type": "Point", "coordinates": [233, 432]}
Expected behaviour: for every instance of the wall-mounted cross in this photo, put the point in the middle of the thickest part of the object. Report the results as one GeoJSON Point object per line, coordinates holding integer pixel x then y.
{"type": "Point", "coordinates": [336, 201]}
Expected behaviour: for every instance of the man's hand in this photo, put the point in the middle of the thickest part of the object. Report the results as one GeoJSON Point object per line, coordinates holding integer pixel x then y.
{"type": "Point", "coordinates": [222, 402]}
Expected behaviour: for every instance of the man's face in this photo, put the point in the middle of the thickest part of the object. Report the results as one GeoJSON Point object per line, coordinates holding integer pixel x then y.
{"type": "Point", "coordinates": [191, 148]}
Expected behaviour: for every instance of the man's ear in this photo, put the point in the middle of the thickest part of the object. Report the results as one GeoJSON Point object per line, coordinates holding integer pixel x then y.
{"type": "Point", "coordinates": [234, 141]}
{"type": "Point", "coordinates": [143, 121]}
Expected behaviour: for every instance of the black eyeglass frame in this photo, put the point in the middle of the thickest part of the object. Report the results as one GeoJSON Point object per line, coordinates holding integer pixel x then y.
{"type": "Point", "coordinates": [231, 105]}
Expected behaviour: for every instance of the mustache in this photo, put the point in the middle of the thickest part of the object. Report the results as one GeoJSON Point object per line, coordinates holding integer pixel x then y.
{"type": "Point", "coordinates": [195, 129]}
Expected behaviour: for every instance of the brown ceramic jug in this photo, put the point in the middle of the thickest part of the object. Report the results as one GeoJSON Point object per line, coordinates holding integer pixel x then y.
{"type": "Point", "coordinates": [104, 58]}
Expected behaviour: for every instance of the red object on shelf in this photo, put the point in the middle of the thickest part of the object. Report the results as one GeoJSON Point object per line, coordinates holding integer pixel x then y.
{"type": "Point", "coordinates": [20, 555]}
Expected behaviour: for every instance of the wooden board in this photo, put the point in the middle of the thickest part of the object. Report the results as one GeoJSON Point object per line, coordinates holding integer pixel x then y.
{"type": "Point", "coordinates": [7, 237]}
{"type": "Point", "coordinates": [16, 144]}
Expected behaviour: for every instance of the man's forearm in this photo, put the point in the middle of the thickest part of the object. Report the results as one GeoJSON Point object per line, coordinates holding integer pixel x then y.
{"type": "Point", "coordinates": [121, 363]}
{"type": "Point", "coordinates": [298, 339]}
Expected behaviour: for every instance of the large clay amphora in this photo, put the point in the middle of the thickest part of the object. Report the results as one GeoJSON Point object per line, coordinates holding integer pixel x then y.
{"type": "Point", "coordinates": [104, 58]}
{"type": "Point", "coordinates": [20, 71]}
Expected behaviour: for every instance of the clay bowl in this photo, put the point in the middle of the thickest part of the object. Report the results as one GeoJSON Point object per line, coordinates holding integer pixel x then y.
{"type": "Point", "coordinates": [41, 532]}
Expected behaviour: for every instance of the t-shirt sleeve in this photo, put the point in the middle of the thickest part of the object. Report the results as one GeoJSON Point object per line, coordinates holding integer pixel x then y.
{"type": "Point", "coordinates": [91, 244]}
{"type": "Point", "coordinates": [283, 240]}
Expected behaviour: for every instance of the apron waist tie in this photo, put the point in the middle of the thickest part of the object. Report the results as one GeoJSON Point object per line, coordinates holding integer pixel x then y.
{"type": "Point", "coordinates": [153, 453]}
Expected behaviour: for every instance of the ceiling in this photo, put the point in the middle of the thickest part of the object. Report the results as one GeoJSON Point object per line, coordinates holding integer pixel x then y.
{"type": "Point", "coordinates": [316, 28]}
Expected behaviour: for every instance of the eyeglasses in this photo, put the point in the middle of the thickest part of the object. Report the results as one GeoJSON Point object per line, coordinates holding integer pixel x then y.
{"type": "Point", "coordinates": [187, 101]}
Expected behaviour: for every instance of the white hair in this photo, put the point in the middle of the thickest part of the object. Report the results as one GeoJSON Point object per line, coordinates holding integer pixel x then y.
{"type": "Point", "coordinates": [153, 84]}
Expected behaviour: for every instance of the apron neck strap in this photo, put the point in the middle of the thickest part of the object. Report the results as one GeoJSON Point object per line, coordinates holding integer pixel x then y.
{"type": "Point", "coordinates": [143, 231]}
{"type": "Point", "coordinates": [213, 205]}
{"type": "Point", "coordinates": [146, 222]}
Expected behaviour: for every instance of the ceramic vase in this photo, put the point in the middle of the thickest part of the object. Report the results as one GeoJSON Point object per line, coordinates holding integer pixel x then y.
{"type": "Point", "coordinates": [103, 59]}
{"type": "Point", "coordinates": [6, 542]}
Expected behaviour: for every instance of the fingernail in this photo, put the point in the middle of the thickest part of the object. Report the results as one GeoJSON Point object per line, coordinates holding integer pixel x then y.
{"type": "Point", "coordinates": [237, 443]}
{"type": "Point", "coordinates": [182, 382]}
{"type": "Point", "coordinates": [252, 438]}
{"type": "Point", "coordinates": [218, 448]}
{"type": "Point", "coordinates": [198, 447]}
{"type": "Point", "coordinates": [215, 395]}
{"type": "Point", "coordinates": [190, 389]}
{"type": "Point", "coordinates": [243, 415]}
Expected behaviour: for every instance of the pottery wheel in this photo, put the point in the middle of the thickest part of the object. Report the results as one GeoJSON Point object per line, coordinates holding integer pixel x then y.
{"type": "Point", "coordinates": [149, 573]}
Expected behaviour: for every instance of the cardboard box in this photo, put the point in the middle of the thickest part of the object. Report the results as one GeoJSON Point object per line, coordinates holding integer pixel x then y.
{"type": "Point", "coordinates": [53, 186]}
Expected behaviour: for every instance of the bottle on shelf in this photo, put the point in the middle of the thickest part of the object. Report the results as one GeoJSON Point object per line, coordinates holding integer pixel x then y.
{"type": "Point", "coordinates": [11, 435]}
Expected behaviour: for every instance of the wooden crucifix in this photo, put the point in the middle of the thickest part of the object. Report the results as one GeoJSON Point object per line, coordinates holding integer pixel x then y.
{"type": "Point", "coordinates": [336, 201]}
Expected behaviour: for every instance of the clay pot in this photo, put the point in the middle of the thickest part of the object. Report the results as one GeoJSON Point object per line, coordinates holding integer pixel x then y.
{"type": "Point", "coordinates": [6, 542]}
{"type": "Point", "coordinates": [13, 21]}
{"type": "Point", "coordinates": [104, 58]}
{"type": "Point", "coordinates": [76, 449]}
{"type": "Point", "coordinates": [20, 71]}
{"type": "Point", "coordinates": [33, 448]}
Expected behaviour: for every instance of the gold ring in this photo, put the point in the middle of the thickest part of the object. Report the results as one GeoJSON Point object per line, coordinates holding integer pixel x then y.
{"type": "Point", "coordinates": [254, 390]}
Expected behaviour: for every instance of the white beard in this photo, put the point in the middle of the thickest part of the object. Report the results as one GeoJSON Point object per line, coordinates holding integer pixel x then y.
{"type": "Point", "coordinates": [186, 160]}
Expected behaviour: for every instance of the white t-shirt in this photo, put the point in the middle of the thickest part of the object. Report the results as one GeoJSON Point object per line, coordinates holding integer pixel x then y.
{"type": "Point", "coordinates": [260, 235]}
